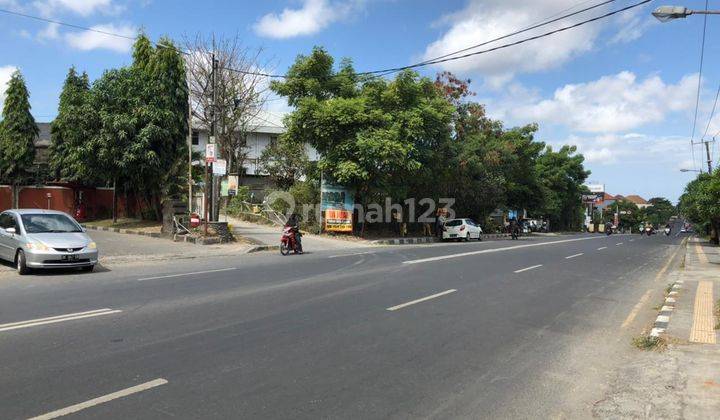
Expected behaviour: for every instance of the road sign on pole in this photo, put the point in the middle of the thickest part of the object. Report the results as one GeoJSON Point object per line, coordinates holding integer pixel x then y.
{"type": "Point", "coordinates": [210, 155]}
{"type": "Point", "coordinates": [220, 167]}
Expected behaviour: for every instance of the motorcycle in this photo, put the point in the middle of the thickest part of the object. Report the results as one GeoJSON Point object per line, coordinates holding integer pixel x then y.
{"type": "Point", "coordinates": [667, 231]}
{"type": "Point", "coordinates": [288, 242]}
{"type": "Point", "coordinates": [649, 231]}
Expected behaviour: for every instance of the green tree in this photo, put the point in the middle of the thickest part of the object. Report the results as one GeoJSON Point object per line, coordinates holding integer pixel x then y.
{"type": "Point", "coordinates": [700, 203]}
{"type": "Point", "coordinates": [660, 211]}
{"type": "Point", "coordinates": [370, 137]}
{"type": "Point", "coordinates": [70, 129]}
{"type": "Point", "coordinates": [285, 161]}
{"type": "Point", "coordinates": [18, 132]}
{"type": "Point", "coordinates": [562, 175]}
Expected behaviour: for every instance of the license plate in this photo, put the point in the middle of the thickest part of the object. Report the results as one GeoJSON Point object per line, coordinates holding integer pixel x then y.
{"type": "Point", "coordinates": [69, 257]}
{"type": "Point", "coordinates": [453, 235]}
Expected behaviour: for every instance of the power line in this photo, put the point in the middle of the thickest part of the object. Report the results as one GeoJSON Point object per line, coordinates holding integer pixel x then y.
{"type": "Point", "coordinates": [529, 28]}
{"type": "Point", "coordinates": [712, 113]}
{"type": "Point", "coordinates": [511, 44]}
{"type": "Point", "coordinates": [438, 60]}
{"type": "Point", "coordinates": [543, 22]}
{"type": "Point", "coordinates": [70, 25]}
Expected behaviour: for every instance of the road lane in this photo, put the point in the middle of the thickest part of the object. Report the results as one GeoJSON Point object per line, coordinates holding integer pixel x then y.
{"type": "Point", "coordinates": [324, 325]}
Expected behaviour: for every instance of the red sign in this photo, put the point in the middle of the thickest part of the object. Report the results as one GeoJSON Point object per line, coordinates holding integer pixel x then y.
{"type": "Point", "coordinates": [338, 220]}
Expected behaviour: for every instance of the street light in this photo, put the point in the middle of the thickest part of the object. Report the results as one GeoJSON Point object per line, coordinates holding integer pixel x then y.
{"type": "Point", "coordinates": [690, 170]}
{"type": "Point", "coordinates": [667, 13]}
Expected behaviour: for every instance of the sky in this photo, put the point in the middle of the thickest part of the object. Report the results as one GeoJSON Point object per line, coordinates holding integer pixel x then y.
{"type": "Point", "coordinates": [622, 89]}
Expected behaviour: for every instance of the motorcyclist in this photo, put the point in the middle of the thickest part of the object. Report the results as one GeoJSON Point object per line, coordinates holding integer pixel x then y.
{"type": "Point", "coordinates": [608, 228]}
{"type": "Point", "coordinates": [293, 222]}
{"type": "Point", "coordinates": [514, 228]}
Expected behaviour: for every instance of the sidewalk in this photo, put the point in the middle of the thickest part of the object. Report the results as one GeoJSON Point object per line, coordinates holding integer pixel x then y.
{"type": "Point", "coordinates": [682, 381]}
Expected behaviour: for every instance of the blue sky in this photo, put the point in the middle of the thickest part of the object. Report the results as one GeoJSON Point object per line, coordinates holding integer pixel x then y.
{"type": "Point", "coordinates": [622, 90]}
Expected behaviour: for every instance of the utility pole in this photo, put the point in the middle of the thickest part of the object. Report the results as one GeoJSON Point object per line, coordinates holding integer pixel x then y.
{"type": "Point", "coordinates": [213, 129]}
{"type": "Point", "coordinates": [190, 145]}
{"type": "Point", "coordinates": [208, 190]}
{"type": "Point", "coordinates": [709, 159]}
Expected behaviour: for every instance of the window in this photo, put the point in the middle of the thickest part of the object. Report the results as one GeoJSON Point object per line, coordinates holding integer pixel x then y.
{"type": "Point", "coordinates": [195, 137]}
{"type": "Point", "coordinates": [454, 222]}
{"type": "Point", "coordinates": [6, 221]}
{"type": "Point", "coordinates": [49, 223]}
{"type": "Point", "coordinates": [273, 140]}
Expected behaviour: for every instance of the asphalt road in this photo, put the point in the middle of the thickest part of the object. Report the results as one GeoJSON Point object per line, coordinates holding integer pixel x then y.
{"type": "Point", "coordinates": [504, 329]}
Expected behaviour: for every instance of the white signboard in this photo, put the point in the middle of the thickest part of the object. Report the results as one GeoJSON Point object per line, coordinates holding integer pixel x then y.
{"type": "Point", "coordinates": [220, 167]}
{"type": "Point", "coordinates": [596, 188]}
{"type": "Point", "coordinates": [210, 153]}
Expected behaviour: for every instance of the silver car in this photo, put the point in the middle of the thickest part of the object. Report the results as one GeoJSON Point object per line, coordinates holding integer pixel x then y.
{"type": "Point", "coordinates": [45, 239]}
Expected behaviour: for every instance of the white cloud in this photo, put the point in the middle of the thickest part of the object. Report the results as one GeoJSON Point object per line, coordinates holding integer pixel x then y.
{"type": "Point", "coordinates": [312, 17]}
{"type": "Point", "coordinates": [5, 73]}
{"type": "Point", "coordinates": [612, 103]}
{"type": "Point", "coordinates": [51, 31]}
{"type": "Point", "coordinates": [631, 148]}
{"type": "Point", "coordinates": [483, 20]}
{"type": "Point", "coordinates": [632, 25]}
{"type": "Point", "coordinates": [80, 7]}
{"type": "Point", "coordinates": [88, 40]}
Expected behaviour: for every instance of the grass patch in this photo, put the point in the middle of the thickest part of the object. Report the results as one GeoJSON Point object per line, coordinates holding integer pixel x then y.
{"type": "Point", "coordinates": [136, 224]}
{"type": "Point", "coordinates": [647, 342]}
{"type": "Point", "coordinates": [717, 314]}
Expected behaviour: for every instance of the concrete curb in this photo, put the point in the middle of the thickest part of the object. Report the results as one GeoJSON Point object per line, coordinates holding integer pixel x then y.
{"type": "Point", "coordinates": [663, 319]}
{"type": "Point", "coordinates": [260, 248]}
{"type": "Point", "coordinates": [174, 238]}
{"type": "Point", "coordinates": [430, 239]}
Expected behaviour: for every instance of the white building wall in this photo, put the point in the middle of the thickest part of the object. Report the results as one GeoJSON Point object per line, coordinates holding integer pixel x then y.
{"type": "Point", "coordinates": [257, 142]}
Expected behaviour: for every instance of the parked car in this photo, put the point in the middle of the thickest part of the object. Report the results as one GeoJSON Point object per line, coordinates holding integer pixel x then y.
{"type": "Point", "coordinates": [461, 229]}
{"type": "Point", "coordinates": [34, 238]}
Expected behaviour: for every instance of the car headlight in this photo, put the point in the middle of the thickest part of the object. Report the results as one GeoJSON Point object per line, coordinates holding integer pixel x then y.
{"type": "Point", "coordinates": [37, 246]}
{"type": "Point", "coordinates": [91, 245]}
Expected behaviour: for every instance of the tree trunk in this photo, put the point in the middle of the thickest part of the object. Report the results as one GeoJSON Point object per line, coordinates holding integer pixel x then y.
{"type": "Point", "coordinates": [114, 202]}
{"type": "Point", "coordinates": [714, 229]}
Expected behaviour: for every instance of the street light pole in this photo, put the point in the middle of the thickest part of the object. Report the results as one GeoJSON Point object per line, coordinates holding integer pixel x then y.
{"type": "Point", "coordinates": [668, 13]}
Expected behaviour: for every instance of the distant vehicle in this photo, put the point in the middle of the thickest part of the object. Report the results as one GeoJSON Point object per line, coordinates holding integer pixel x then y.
{"type": "Point", "coordinates": [683, 230]}
{"type": "Point", "coordinates": [35, 238]}
{"type": "Point", "coordinates": [461, 229]}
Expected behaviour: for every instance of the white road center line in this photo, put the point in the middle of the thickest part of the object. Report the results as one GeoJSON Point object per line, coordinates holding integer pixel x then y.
{"type": "Point", "coordinates": [573, 256]}
{"type": "Point", "coordinates": [187, 274]}
{"type": "Point", "coordinates": [349, 255]}
{"type": "Point", "coordinates": [488, 251]}
{"type": "Point", "coordinates": [528, 268]}
{"type": "Point", "coordinates": [618, 244]}
{"type": "Point", "coordinates": [101, 400]}
{"type": "Point", "coordinates": [601, 248]}
{"type": "Point", "coordinates": [447, 292]}
{"type": "Point", "coordinates": [56, 319]}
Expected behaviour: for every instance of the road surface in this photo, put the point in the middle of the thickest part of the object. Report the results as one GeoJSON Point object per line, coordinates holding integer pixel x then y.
{"type": "Point", "coordinates": [502, 329]}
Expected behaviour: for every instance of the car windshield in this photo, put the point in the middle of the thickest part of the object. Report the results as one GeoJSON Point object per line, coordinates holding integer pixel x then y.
{"type": "Point", "coordinates": [49, 223]}
{"type": "Point", "coordinates": [456, 222]}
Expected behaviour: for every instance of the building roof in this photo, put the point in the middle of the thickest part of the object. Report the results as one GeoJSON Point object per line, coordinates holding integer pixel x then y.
{"type": "Point", "coordinates": [636, 199]}
{"type": "Point", "coordinates": [607, 197]}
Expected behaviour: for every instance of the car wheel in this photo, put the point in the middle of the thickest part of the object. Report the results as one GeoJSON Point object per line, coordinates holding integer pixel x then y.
{"type": "Point", "coordinates": [88, 268]}
{"type": "Point", "coordinates": [467, 237]}
{"type": "Point", "coordinates": [479, 236]}
{"type": "Point", "coordinates": [21, 263]}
